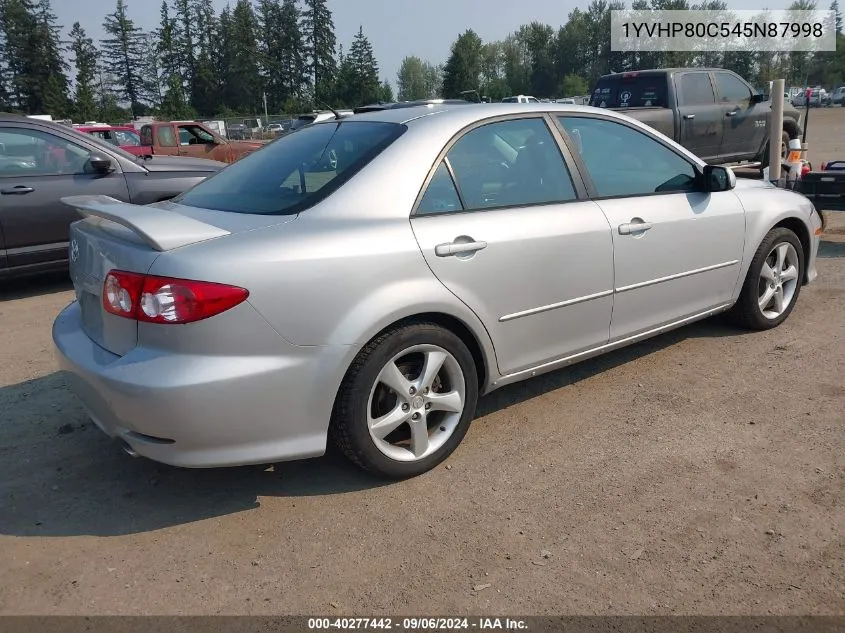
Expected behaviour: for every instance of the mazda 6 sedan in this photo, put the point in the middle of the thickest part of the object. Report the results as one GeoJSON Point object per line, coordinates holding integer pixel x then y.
{"type": "Point", "coordinates": [449, 251]}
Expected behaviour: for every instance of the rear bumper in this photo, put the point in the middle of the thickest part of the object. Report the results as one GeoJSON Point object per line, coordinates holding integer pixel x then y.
{"type": "Point", "coordinates": [200, 411]}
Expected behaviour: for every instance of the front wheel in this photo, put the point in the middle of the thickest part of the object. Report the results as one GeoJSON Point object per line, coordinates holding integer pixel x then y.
{"type": "Point", "coordinates": [773, 282]}
{"type": "Point", "coordinates": [407, 401]}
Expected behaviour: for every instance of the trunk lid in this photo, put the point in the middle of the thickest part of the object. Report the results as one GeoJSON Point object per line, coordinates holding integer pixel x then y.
{"type": "Point", "coordinates": [118, 235]}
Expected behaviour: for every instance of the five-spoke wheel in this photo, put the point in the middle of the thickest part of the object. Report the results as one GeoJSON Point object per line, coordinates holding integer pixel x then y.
{"type": "Point", "coordinates": [407, 400]}
{"type": "Point", "coordinates": [773, 282]}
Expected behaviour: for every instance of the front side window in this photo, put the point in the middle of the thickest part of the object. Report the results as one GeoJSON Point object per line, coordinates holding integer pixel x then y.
{"type": "Point", "coordinates": [194, 135]}
{"type": "Point", "coordinates": [295, 171]}
{"type": "Point", "coordinates": [25, 152]}
{"type": "Point", "coordinates": [731, 89]}
{"type": "Point", "coordinates": [510, 163]}
{"type": "Point", "coordinates": [622, 161]}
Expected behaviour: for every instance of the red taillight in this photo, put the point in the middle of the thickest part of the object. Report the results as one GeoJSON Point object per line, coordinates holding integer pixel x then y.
{"type": "Point", "coordinates": [165, 300]}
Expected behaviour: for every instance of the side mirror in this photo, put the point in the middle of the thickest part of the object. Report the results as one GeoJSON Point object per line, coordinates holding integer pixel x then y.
{"type": "Point", "coordinates": [718, 178]}
{"type": "Point", "coordinates": [100, 163]}
{"type": "Point", "coordinates": [759, 98]}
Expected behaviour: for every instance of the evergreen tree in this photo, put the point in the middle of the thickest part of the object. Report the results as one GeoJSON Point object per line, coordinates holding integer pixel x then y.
{"type": "Point", "coordinates": [292, 63]}
{"type": "Point", "coordinates": [123, 53]}
{"type": "Point", "coordinates": [366, 87]}
{"type": "Point", "coordinates": [33, 53]}
{"type": "Point", "coordinates": [268, 16]}
{"type": "Point", "coordinates": [463, 69]}
{"type": "Point", "coordinates": [386, 92]}
{"type": "Point", "coordinates": [166, 45]}
{"type": "Point", "coordinates": [184, 41]}
{"type": "Point", "coordinates": [84, 55]}
{"type": "Point", "coordinates": [205, 84]}
{"type": "Point", "coordinates": [834, 6]}
{"type": "Point", "coordinates": [242, 87]}
{"type": "Point", "coordinates": [320, 44]}
{"type": "Point", "coordinates": [411, 79]}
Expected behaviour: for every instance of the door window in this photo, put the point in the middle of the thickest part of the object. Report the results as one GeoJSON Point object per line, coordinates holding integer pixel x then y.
{"type": "Point", "coordinates": [696, 89]}
{"type": "Point", "coordinates": [622, 161]}
{"type": "Point", "coordinates": [25, 152]}
{"type": "Point", "coordinates": [194, 135]}
{"type": "Point", "coordinates": [166, 137]}
{"type": "Point", "coordinates": [441, 195]}
{"type": "Point", "coordinates": [731, 89]}
{"type": "Point", "coordinates": [508, 163]}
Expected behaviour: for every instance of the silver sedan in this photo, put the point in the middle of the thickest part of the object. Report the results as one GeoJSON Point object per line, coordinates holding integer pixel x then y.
{"type": "Point", "coordinates": [440, 253]}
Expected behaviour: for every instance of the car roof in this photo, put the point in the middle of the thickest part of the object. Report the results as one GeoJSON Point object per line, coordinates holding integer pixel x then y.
{"type": "Point", "coordinates": [461, 115]}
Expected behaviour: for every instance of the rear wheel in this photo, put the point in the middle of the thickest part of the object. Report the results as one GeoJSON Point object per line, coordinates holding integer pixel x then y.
{"type": "Point", "coordinates": [407, 401]}
{"type": "Point", "coordinates": [773, 282]}
{"type": "Point", "coordinates": [784, 149]}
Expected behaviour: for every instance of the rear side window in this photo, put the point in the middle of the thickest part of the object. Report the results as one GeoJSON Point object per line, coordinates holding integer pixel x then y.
{"type": "Point", "coordinates": [696, 89]}
{"type": "Point", "coordinates": [506, 164]}
{"type": "Point", "coordinates": [296, 171]}
{"type": "Point", "coordinates": [630, 91]}
{"type": "Point", "coordinates": [166, 136]}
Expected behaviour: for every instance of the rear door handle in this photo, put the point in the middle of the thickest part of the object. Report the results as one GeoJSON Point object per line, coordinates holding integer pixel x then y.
{"type": "Point", "coordinates": [634, 227]}
{"type": "Point", "coordinates": [732, 113]}
{"type": "Point", "coordinates": [458, 248]}
{"type": "Point", "coordinates": [17, 191]}
{"type": "Point", "coordinates": [689, 116]}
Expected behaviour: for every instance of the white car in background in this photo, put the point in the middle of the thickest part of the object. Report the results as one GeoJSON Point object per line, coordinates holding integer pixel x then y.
{"type": "Point", "coordinates": [520, 99]}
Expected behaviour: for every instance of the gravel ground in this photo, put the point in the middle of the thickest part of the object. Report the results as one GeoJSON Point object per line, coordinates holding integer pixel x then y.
{"type": "Point", "coordinates": [700, 472]}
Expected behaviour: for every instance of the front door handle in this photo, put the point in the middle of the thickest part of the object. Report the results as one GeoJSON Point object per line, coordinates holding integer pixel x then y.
{"type": "Point", "coordinates": [458, 248]}
{"type": "Point", "coordinates": [634, 227]}
{"type": "Point", "coordinates": [689, 116]}
{"type": "Point", "coordinates": [17, 191]}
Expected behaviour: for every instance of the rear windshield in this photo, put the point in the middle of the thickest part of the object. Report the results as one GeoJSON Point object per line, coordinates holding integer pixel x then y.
{"type": "Point", "coordinates": [296, 171]}
{"type": "Point", "coordinates": [632, 91]}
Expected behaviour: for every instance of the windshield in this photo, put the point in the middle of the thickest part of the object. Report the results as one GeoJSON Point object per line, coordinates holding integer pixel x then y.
{"type": "Point", "coordinates": [295, 171]}
{"type": "Point", "coordinates": [114, 149]}
{"type": "Point", "coordinates": [630, 91]}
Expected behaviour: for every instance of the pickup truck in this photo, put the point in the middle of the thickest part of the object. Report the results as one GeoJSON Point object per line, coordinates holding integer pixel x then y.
{"type": "Point", "coordinates": [189, 138]}
{"type": "Point", "coordinates": [713, 112]}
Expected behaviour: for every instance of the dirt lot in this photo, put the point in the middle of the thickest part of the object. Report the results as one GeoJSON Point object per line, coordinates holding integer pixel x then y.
{"type": "Point", "coordinates": [700, 472]}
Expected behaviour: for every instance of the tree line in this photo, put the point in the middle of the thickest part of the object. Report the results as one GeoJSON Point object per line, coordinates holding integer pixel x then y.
{"type": "Point", "coordinates": [196, 63]}
{"type": "Point", "coordinates": [545, 61]}
{"type": "Point", "coordinates": [201, 63]}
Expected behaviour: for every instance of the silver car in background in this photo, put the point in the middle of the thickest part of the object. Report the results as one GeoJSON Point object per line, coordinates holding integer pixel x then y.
{"type": "Point", "coordinates": [446, 252]}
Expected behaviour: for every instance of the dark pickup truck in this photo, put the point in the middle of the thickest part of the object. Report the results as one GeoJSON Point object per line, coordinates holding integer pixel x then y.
{"type": "Point", "coordinates": [712, 112]}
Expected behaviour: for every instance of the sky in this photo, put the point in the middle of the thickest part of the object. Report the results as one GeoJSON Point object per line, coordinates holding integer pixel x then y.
{"type": "Point", "coordinates": [396, 28]}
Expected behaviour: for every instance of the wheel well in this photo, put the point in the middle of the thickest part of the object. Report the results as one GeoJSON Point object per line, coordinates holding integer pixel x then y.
{"type": "Point", "coordinates": [791, 128]}
{"type": "Point", "coordinates": [459, 328]}
{"type": "Point", "coordinates": [800, 229]}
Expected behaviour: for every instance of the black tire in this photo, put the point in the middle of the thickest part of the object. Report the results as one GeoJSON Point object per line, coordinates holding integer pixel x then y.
{"type": "Point", "coordinates": [349, 427]}
{"type": "Point", "coordinates": [747, 312]}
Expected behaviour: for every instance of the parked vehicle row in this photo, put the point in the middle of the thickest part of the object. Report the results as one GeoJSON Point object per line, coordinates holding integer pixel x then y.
{"type": "Point", "coordinates": [42, 162]}
{"type": "Point", "coordinates": [276, 304]}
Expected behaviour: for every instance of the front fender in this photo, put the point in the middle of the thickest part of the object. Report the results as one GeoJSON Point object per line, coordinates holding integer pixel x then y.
{"type": "Point", "coordinates": [765, 207]}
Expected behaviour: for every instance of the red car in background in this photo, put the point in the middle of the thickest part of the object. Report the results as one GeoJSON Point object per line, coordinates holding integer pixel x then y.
{"type": "Point", "coordinates": [125, 137]}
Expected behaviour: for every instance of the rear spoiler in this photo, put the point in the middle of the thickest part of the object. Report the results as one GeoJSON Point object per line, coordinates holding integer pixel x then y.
{"type": "Point", "coordinates": [160, 229]}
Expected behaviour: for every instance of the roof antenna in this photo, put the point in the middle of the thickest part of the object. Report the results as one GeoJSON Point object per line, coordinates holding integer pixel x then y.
{"type": "Point", "coordinates": [332, 110]}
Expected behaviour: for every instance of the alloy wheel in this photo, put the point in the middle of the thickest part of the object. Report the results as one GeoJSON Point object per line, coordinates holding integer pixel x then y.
{"type": "Point", "coordinates": [416, 403]}
{"type": "Point", "coordinates": [778, 280]}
